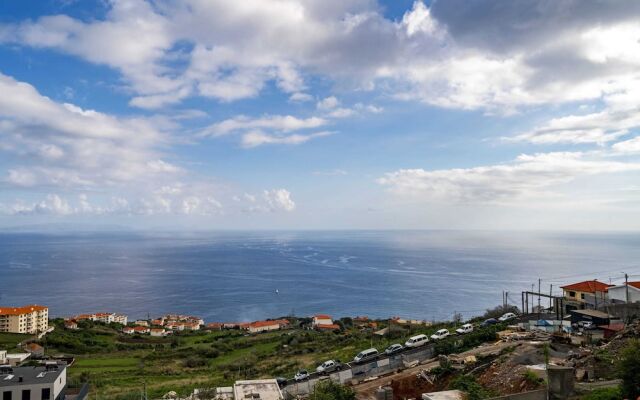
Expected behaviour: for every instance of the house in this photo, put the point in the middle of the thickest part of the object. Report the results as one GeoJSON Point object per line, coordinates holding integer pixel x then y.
{"type": "Point", "coordinates": [103, 317]}
{"type": "Point", "coordinates": [14, 359]}
{"type": "Point", "coordinates": [106, 318]}
{"type": "Point", "coordinates": [611, 330]}
{"type": "Point", "coordinates": [158, 332]}
{"type": "Point", "coordinates": [586, 294]}
{"type": "Point", "coordinates": [327, 327]}
{"type": "Point", "coordinates": [262, 389]}
{"type": "Point", "coordinates": [141, 330]}
{"type": "Point", "coordinates": [321, 319]}
{"type": "Point", "coordinates": [158, 322]}
{"type": "Point", "coordinates": [192, 326]}
{"type": "Point", "coordinates": [142, 322]}
{"type": "Point", "coordinates": [264, 326]}
{"type": "Point", "coordinates": [71, 324]}
{"type": "Point", "coordinates": [48, 382]}
{"type": "Point", "coordinates": [595, 316]}
{"type": "Point", "coordinates": [619, 293]}
{"type": "Point", "coordinates": [34, 349]}
{"type": "Point", "coordinates": [120, 319]}
{"type": "Point", "coordinates": [128, 330]}
{"type": "Point", "coordinates": [445, 395]}
{"type": "Point", "coordinates": [215, 326]}
{"type": "Point", "coordinates": [31, 319]}
{"type": "Point", "coordinates": [3, 357]}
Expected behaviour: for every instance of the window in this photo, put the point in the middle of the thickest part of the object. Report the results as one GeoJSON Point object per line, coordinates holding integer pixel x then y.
{"type": "Point", "coordinates": [46, 393]}
{"type": "Point", "coordinates": [572, 294]}
{"type": "Point", "coordinates": [582, 296]}
{"type": "Point", "coordinates": [26, 395]}
{"type": "Point", "coordinates": [7, 396]}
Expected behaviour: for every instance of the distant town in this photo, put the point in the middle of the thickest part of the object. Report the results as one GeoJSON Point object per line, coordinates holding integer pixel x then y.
{"type": "Point", "coordinates": [589, 313]}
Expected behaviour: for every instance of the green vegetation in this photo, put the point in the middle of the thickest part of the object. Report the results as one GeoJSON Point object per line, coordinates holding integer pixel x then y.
{"type": "Point", "coordinates": [532, 378]}
{"type": "Point", "coordinates": [329, 390]}
{"type": "Point", "coordinates": [629, 370]}
{"type": "Point", "coordinates": [9, 341]}
{"type": "Point", "coordinates": [118, 365]}
{"type": "Point", "coordinates": [604, 394]}
{"type": "Point", "coordinates": [468, 384]}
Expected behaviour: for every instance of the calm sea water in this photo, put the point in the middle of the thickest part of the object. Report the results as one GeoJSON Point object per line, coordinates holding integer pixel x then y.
{"type": "Point", "coordinates": [234, 276]}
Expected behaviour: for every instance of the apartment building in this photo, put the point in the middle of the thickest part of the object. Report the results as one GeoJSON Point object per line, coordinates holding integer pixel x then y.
{"type": "Point", "coordinates": [33, 383]}
{"type": "Point", "coordinates": [30, 319]}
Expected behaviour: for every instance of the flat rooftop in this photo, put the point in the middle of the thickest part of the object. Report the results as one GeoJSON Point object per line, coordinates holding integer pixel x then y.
{"type": "Point", "coordinates": [591, 313]}
{"type": "Point", "coordinates": [264, 389]}
{"type": "Point", "coordinates": [30, 375]}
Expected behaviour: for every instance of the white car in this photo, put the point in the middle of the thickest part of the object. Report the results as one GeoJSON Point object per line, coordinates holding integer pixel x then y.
{"type": "Point", "coordinates": [464, 329]}
{"type": "Point", "coordinates": [416, 341]}
{"type": "Point", "coordinates": [365, 355]}
{"type": "Point", "coordinates": [328, 366]}
{"type": "Point", "coordinates": [301, 376]}
{"type": "Point", "coordinates": [506, 317]}
{"type": "Point", "coordinates": [440, 334]}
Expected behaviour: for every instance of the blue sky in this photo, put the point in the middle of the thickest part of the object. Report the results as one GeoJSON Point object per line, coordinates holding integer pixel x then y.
{"type": "Point", "coordinates": [320, 114]}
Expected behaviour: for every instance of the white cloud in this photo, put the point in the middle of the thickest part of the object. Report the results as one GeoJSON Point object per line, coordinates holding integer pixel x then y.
{"type": "Point", "coordinates": [328, 103]}
{"type": "Point", "coordinates": [279, 200]}
{"type": "Point", "coordinates": [529, 176]}
{"type": "Point", "coordinates": [283, 123]}
{"type": "Point", "coordinates": [259, 138]}
{"type": "Point", "coordinates": [300, 97]}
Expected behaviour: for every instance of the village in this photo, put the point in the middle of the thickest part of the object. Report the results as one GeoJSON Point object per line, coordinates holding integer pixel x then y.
{"type": "Point", "coordinates": [548, 346]}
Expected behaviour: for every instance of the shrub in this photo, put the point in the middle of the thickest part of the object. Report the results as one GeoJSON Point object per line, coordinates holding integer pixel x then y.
{"type": "Point", "coordinates": [629, 369]}
{"type": "Point", "coordinates": [468, 384]}
{"type": "Point", "coordinates": [604, 394]}
{"type": "Point", "coordinates": [329, 390]}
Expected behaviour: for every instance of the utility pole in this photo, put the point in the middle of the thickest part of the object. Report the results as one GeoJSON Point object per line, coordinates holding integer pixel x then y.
{"type": "Point", "coordinates": [539, 282]}
{"type": "Point", "coordinates": [550, 295]}
{"type": "Point", "coordinates": [626, 285]}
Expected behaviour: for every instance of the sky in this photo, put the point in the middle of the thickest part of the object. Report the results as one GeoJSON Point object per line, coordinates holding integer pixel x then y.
{"type": "Point", "coordinates": [320, 114]}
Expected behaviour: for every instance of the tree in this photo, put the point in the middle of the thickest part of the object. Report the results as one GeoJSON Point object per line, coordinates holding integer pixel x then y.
{"type": "Point", "coordinates": [629, 369]}
{"type": "Point", "coordinates": [329, 390]}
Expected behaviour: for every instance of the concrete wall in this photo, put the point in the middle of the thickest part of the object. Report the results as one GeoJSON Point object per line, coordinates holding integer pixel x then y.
{"type": "Point", "coordinates": [625, 312]}
{"type": "Point", "coordinates": [359, 373]}
{"type": "Point", "coordinates": [532, 395]}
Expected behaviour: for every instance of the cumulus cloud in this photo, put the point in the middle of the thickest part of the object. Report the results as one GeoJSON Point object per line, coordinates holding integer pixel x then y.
{"type": "Point", "coordinates": [283, 123]}
{"type": "Point", "coordinates": [259, 138]}
{"type": "Point", "coordinates": [279, 200]}
{"type": "Point", "coordinates": [528, 176]}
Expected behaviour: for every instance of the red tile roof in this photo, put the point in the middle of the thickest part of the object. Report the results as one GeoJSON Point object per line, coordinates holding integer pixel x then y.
{"type": "Point", "coordinates": [322, 316]}
{"type": "Point", "coordinates": [328, 326]}
{"type": "Point", "coordinates": [635, 284]}
{"type": "Point", "coordinates": [21, 310]}
{"type": "Point", "coordinates": [588, 286]}
{"type": "Point", "coordinates": [259, 324]}
{"type": "Point", "coordinates": [612, 327]}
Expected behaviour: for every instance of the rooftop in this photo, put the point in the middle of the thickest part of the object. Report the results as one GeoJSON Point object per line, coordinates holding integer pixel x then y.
{"type": "Point", "coordinates": [588, 286]}
{"type": "Point", "coordinates": [21, 310]}
{"type": "Point", "coordinates": [591, 313]}
{"type": "Point", "coordinates": [263, 389]}
{"type": "Point", "coordinates": [30, 375]}
{"type": "Point", "coordinates": [322, 316]}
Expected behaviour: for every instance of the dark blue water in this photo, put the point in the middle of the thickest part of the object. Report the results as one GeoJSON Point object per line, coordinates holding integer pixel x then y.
{"type": "Point", "coordinates": [234, 276]}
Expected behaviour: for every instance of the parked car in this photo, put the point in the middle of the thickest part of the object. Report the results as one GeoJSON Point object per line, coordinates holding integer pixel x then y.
{"type": "Point", "coordinates": [301, 375]}
{"type": "Point", "coordinates": [586, 325]}
{"type": "Point", "coordinates": [365, 355]}
{"type": "Point", "coordinates": [394, 348]}
{"type": "Point", "coordinates": [506, 317]}
{"type": "Point", "coordinates": [440, 334]}
{"type": "Point", "coordinates": [489, 322]}
{"type": "Point", "coordinates": [416, 341]}
{"type": "Point", "coordinates": [282, 382]}
{"type": "Point", "coordinates": [329, 366]}
{"type": "Point", "coordinates": [464, 329]}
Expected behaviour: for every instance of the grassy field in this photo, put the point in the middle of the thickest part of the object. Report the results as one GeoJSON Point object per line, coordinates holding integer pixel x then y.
{"type": "Point", "coordinates": [8, 341]}
{"type": "Point", "coordinates": [118, 366]}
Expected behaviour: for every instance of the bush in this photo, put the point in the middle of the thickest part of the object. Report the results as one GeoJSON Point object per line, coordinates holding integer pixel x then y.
{"type": "Point", "coordinates": [329, 390]}
{"type": "Point", "coordinates": [468, 384]}
{"type": "Point", "coordinates": [629, 369]}
{"type": "Point", "coordinates": [195, 362]}
{"type": "Point", "coordinates": [604, 394]}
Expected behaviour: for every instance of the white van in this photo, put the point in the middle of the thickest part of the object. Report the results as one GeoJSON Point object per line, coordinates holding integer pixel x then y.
{"type": "Point", "coordinates": [366, 355]}
{"type": "Point", "coordinates": [466, 328]}
{"type": "Point", "coordinates": [416, 341]}
{"type": "Point", "coordinates": [440, 334]}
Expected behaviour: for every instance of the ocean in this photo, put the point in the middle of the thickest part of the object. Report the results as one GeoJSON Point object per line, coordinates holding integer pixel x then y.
{"type": "Point", "coordinates": [246, 276]}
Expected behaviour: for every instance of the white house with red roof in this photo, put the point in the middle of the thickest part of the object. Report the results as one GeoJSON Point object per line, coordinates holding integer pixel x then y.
{"type": "Point", "coordinates": [323, 322]}
{"type": "Point", "coordinates": [619, 293]}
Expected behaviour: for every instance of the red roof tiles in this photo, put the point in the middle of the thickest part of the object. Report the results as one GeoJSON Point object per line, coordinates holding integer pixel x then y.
{"type": "Point", "coordinates": [588, 286]}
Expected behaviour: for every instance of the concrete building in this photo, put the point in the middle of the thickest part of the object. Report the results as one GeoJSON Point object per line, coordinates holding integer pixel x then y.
{"type": "Point", "coordinates": [445, 395]}
{"type": "Point", "coordinates": [262, 389]}
{"type": "Point", "coordinates": [322, 319]}
{"type": "Point", "coordinates": [15, 359]}
{"type": "Point", "coordinates": [30, 319]}
{"type": "Point", "coordinates": [33, 383]}
{"type": "Point", "coordinates": [158, 332]}
{"type": "Point", "coordinates": [585, 295]}
{"type": "Point", "coordinates": [619, 293]}
{"type": "Point", "coordinates": [3, 356]}
{"type": "Point", "coordinates": [265, 326]}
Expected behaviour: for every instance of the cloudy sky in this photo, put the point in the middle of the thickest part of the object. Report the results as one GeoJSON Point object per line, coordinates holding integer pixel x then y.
{"type": "Point", "coordinates": [316, 114]}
